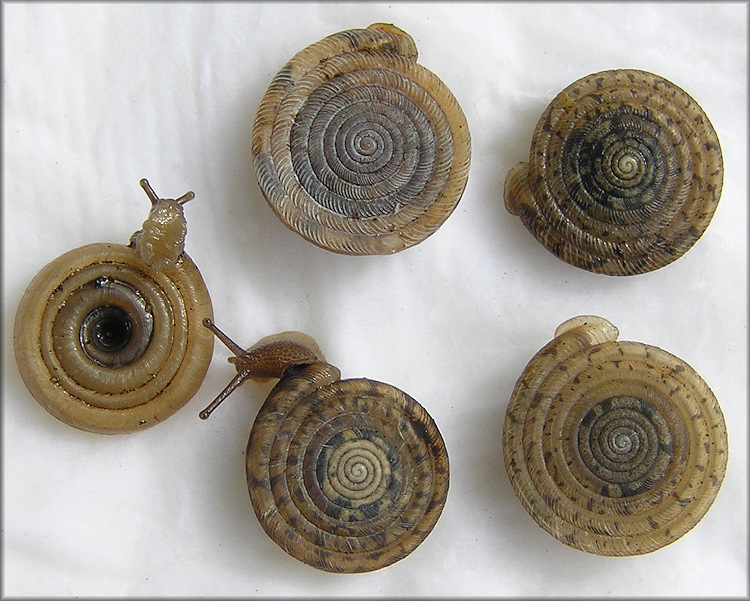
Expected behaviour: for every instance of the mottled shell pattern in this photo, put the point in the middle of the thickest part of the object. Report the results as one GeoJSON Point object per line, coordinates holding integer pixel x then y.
{"type": "Point", "coordinates": [344, 475]}
{"type": "Point", "coordinates": [109, 344]}
{"type": "Point", "coordinates": [624, 175]}
{"type": "Point", "coordinates": [358, 148]}
{"type": "Point", "coordinates": [614, 448]}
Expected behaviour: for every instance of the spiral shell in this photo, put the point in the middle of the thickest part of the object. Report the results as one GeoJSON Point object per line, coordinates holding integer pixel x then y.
{"type": "Point", "coordinates": [108, 344]}
{"type": "Point", "coordinates": [344, 475]}
{"type": "Point", "coordinates": [614, 448]}
{"type": "Point", "coordinates": [624, 176]}
{"type": "Point", "coordinates": [358, 148]}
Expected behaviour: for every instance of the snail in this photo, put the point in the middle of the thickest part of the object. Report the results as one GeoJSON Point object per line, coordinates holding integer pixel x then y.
{"type": "Point", "coordinates": [624, 175]}
{"type": "Point", "coordinates": [108, 338]}
{"type": "Point", "coordinates": [614, 448]}
{"type": "Point", "coordinates": [357, 147]}
{"type": "Point", "coordinates": [344, 475]}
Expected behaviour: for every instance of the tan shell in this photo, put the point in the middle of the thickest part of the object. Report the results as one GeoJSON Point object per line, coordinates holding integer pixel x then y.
{"type": "Point", "coordinates": [624, 175]}
{"type": "Point", "coordinates": [107, 343]}
{"type": "Point", "coordinates": [614, 448]}
{"type": "Point", "coordinates": [358, 148]}
{"type": "Point", "coordinates": [344, 475]}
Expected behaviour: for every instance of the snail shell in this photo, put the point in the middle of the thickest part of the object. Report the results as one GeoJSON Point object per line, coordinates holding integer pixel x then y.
{"type": "Point", "coordinates": [624, 176]}
{"type": "Point", "coordinates": [358, 148]}
{"type": "Point", "coordinates": [107, 343]}
{"type": "Point", "coordinates": [344, 475]}
{"type": "Point", "coordinates": [614, 448]}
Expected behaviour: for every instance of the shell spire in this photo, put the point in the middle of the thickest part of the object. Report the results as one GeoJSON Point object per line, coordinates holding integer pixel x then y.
{"type": "Point", "coordinates": [624, 176]}
{"type": "Point", "coordinates": [357, 147]}
{"type": "Point", "coordinates": [344, 475]}
{"type": "Point", "coordinates": [614, 448]}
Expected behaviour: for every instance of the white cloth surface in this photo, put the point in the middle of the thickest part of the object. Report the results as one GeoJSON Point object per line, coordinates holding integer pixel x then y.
{"type": "Point", "coordinates": [97, 96]}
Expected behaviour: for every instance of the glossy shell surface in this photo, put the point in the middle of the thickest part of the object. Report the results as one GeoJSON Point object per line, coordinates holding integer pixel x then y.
{"type": "Point", "coordinates": [624, 175]}
{"type": "Point", "coordinates": [109, 345]}
{"type": "Point", "coordinates": [614, 448]}
{"type": "Point", "coordinates": [358, 148]}
{"type": "Point", "coordinates": [345, 475]}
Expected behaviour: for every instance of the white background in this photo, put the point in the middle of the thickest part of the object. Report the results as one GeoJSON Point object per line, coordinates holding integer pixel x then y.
{"type": "Point", "coordinates": [97, 96]}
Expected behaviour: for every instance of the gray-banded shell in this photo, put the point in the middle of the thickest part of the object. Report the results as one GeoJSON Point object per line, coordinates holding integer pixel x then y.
{"type": "Point", "coordinates": [358, 148]}
{"type": "Point", "coordinates": [614, 448]}
{"type": "Point", "coordinates": [344, 475]}
{"type": "Point", "coordinates": [624, 175]}
{"type": "Point", "coordinates": [107, 343]}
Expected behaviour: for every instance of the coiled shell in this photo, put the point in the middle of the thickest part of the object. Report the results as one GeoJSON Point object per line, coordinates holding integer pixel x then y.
{"type": "Point", "coordinates": [358, 148]}
{"type": "Point", "coordinates": [107, 343]}
{"type": "Point", "coordinates": [614, 448]}
{"type": "Point", "coordinates": [344, 475]}
{"type": "Point", "coordinates": [624, 175]}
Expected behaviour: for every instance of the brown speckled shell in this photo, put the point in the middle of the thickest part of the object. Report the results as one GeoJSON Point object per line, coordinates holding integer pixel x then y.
{"type": "Point", "coordinates": [358, 148]}
{"type": "Point", "coordinates": [345, 475]}
{"type": "Point", "coordinates": [614, 448]}
{"type": "Point", "coordinates": [624, 175]}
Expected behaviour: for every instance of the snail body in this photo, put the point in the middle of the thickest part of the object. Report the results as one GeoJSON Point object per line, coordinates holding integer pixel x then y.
{"type": "Point", "coordinates": [624, 176]}
{"type": "Point", "coordinates": [614, 448]}
{"type": "Point", "coordinates": [161, 241]}
{"type": "Point", "coordinates": [357, 147]}
{"type": "Point", "coordinates": [344, 475]}
{"type": "Point", "coordinates": [106, 342]}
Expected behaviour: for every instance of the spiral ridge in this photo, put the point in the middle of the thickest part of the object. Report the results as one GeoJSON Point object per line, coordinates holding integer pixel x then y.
{"type": "Point", "coordinates": [345, 475]}
{"type": "Point", "coordinates": [614, 448]}
{"type": "Point", "coordinates": [109, 345]}
{"type": "Point", "coordinates": [357, 147]}
{"type": "Point", "coordinates": [625, 174]}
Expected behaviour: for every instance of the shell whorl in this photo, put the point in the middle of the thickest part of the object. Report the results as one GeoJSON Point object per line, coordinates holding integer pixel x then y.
{"type": "Point", "coordinates": [358, 148]}
{"type": "Point", "coordinates": [345, 475]}
{"type": "Point", "coordinates": [614, 448]}
{"type": "Point", "coordinates": [624, 176]}
{"type": "Point", "coordinates": [109, 345]}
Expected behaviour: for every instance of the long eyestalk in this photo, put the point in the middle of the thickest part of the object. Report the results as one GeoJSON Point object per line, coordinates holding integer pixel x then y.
{"type": "Point", "coordinates": [149, 191]}
{"type": "Point", "coordinates": [236, 381]}
{"type": "Point", "coordinates": [269, 358]}
{"type": "Point", "coordinates": [155, 199]}
{"type": "Point", "coordinates": [228, 342]}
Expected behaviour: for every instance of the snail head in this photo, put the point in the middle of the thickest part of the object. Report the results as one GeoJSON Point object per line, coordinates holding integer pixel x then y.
{"type": "Point", "coordinates": [269, 358]}
{"type": "Point", "coordinates": [161, 241]}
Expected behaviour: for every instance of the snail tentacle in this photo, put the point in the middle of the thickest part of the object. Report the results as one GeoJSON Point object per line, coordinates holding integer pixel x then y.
{"type": "Point", "coordinates": [226, 340]}
{"type": "Point", "coordinates": [152, 196]}
{"type": "Point", "coordinates": [230, 388]}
